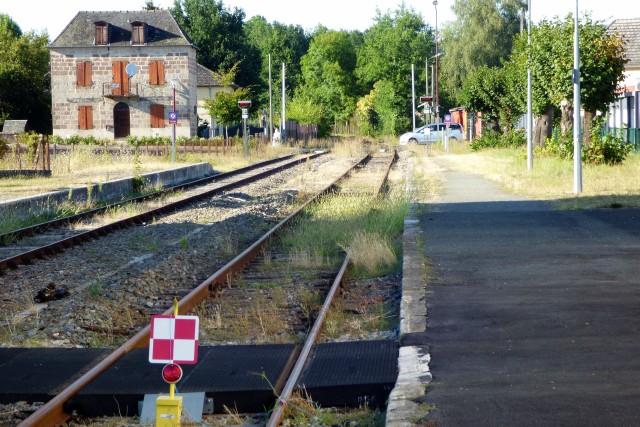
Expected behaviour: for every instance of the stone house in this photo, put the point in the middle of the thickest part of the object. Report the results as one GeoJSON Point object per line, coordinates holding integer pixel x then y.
{"type": "Point", "coordinates": [115, 74]}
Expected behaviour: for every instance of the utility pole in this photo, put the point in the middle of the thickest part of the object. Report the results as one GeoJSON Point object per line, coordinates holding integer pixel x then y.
{"type": "Point", "coordinates": [413, 97]}
{"type": "Point", "coordinates": [270, 104]}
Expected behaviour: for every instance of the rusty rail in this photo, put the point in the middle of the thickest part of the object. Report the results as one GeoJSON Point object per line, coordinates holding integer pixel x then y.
{"type": "Point", "coordinates": [76, 239]}
{"type": "Point", "coordinates": [52, 413]}
{"type": "Point", "coordinates": [32, 229]}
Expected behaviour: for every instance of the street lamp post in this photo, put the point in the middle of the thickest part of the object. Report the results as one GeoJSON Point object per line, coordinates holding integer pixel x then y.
{"type": "Point", "coordinates": [174, 82]}
{"type": "Point", "coordinates": [577, 148]}
{"type": "Point", "coordinates": [435, 4]}
{"type": "Point", "coordinates": [529, 98]}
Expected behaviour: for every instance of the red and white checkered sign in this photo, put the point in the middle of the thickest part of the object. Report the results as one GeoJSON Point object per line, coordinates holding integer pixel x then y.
{"type": "Point", "coordinates": [174, 339]}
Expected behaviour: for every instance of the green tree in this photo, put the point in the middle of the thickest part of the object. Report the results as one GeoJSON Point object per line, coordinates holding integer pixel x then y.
{"type": "Point", "coordinates": [25, 85]}
{"type": "Point", "coordinates": [481, 35]}
{"type": "Point", "coordinates": [389, 47]}
{"type": "Point", "coordinates": [219, 34]}
{"type": "Point", "coordinates": [551, 61]}
{"type": "Point", "coordinates": [286, 44]}
{"type": "Point", "coordinates": [328, 73]}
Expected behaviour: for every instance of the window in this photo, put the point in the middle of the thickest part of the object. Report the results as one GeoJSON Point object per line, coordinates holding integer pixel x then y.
{"type": "Point", "coordinates": [137, 33]}
{"type": "Point", "coordinates": [83, 73]}
{"type": "Point", "coordinates": [85, 117]}
{"type": "Point", "coordinates": [156, 72]}
{"type": "Point", "coordinates": [102, 33]}
{"type": "Point", "coordinates": [157, 115]}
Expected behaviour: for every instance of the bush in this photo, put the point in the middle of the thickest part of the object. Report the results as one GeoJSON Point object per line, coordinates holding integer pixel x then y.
{"type": "Point", "coordinates": [489, 139]}
{"type": "Point", "coordinates": [559, 145]}
{"type": "Point", "coordinates": [31, 140]}
{"type": "Point", "coordinates": [607, 149]}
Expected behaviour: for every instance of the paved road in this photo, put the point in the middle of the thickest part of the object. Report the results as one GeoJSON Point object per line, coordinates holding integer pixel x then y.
{"type": "Point", "coordinates": [533, 315]}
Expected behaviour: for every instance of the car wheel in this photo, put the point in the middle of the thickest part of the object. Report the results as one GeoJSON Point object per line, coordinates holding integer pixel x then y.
{"type": "Point", "coordinates": [413, 141]}
{"type": "Point", "coordinates": [453, 139]}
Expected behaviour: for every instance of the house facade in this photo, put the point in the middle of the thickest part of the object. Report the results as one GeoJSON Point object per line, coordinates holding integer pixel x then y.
{"type": "Point", "coordinates": [625, 112]}
{"type": "Point", "coordinates": [115, 74]}
{"type": "Point", "coordinates": [209, 84]}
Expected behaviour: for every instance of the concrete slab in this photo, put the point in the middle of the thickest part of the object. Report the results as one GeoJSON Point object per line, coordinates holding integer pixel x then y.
{"type": "Point", "coordinates": [533, 315]}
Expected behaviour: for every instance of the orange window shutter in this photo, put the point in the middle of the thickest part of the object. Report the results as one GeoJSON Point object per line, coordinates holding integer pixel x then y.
{"type": "Point", "coordinates": [80, 74]}
{"type": "Point", "coordinates": [160, 116]}
{"type": "Point", "coordinates": [89, 119]}
{"type": "Point", "coordinates": [116, 77]}
{"type": "Point", "coordinates": [160, 72]}
{"type": "Point", "coordinates": [124, 78]}
{"type": "Point", "coordinates": [153, 72]}
{"type": "Point", "coordinates": [152, 115]}
{"type": "Point", "coordinates": [82, 122]}
{"type": "Point", "coordinates": [87, 73]}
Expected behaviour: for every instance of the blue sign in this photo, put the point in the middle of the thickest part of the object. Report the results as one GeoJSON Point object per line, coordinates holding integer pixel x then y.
{"type": "Point", "coordinates": [447, 118]}
{"type": "Point", "coordinates": [173, 117]}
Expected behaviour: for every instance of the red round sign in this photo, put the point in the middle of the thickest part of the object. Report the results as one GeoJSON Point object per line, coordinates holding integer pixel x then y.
{"type": "Point", "coordinates": [172, 373]}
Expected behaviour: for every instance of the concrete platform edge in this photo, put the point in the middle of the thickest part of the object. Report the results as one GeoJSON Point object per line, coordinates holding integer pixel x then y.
{"type": "Point", "coordinates": [403, 408]}
{"type": "Point", "coordinates": [108, 191]}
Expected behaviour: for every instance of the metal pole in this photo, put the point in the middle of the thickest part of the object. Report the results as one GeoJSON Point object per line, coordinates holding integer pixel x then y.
{"type": "Point", "coordinates": [577, 149]}
{"type": "Point", "coordinates": [413, 97]}
{"type": "Point", "coordinates": [426, 77]}
{"type": "Point", "coordinates": [270, 104]}
{"type": "Point", "coordinates": [173, 133]}
{"type": "Point", "coordinates": [435, 4]}
{"type": "Point", "coordinates": [529, 100]}
{"type": "Point", "coordinates": [284, 130]}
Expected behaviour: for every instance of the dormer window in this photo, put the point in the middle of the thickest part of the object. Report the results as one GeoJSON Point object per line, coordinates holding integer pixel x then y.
{"type": "Point", "coordinates": [102, 33]}
{"type": "Point", "coordinates": [137, 33]}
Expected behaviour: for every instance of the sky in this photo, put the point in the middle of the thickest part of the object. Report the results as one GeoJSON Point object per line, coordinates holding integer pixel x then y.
{"type": "Point", "coordinates": [53, 16]}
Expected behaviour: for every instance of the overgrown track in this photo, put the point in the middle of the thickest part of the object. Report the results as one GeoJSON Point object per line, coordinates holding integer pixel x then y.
{"type": "Point", "coordinates": [68, 237]}
{"type": "Point", "coordinates": [303, 358]}
{"type": "Point", "coordinates": [53, 413]}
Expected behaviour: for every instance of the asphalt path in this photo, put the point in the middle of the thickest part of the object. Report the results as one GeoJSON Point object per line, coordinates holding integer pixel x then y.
{"type": "Point", "coordinates": [533, 315]}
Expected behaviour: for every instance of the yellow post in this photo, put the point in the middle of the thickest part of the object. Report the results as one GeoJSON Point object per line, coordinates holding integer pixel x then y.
{"type": "Point", "coordinates": [168, 411]}
{"type": "Point", "coordinates": [169, 408]}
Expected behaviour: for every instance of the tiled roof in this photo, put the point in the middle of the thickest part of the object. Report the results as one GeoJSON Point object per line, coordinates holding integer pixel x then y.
{"type": "Point", "coordinates": [629, 29]}
{"type": "Point", "coordinates": [208, 78]}
{"type": "Point", "coordinates": [162, 29]}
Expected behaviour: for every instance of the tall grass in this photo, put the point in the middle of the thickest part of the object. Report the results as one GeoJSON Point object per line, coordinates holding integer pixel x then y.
{"type": "Point", "coordinates": [552, 178]}
{"type": "Point", "coordinates": [344, 222]}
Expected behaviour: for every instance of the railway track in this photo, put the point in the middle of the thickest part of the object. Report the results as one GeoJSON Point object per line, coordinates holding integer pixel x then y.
{"type": "Point", "coordinates": [53, 412]}
{"type": "Point", "coordinates": [46, 239]}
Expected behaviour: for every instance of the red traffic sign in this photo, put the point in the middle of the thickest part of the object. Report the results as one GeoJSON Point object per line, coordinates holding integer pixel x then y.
{"type": "Point", "coordinates": [426, 98]}
{"type": "Point", "coordinates": [174, 339]}
{"type": "Point", "coordinates": [244, 104]}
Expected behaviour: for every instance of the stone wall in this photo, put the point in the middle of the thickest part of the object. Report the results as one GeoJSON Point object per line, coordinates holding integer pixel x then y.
{"type": "Point", "coordinates": [67, 96]}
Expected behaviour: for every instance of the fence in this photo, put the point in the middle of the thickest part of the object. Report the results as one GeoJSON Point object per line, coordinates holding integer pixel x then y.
{"type": "Point", "coordinates": [300, 132]}
{"type": "Point", "coordinates": [629, 135]}
{"type": "Point", "coordinates": [346, 129]}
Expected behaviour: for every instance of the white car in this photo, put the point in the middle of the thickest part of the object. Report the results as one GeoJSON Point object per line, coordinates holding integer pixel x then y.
{"type": "Point", "coordinates": [432, 133]}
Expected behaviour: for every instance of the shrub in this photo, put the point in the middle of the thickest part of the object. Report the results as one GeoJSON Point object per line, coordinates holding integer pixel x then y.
{"type": "Point", "coordinates": [559, 145]}
{"type": "Point", "coordinates": [31, 140]}
{"type": "Point", "coordinates": [609, 149]}
{"type": "Point", "coordinates": [513, 138]}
